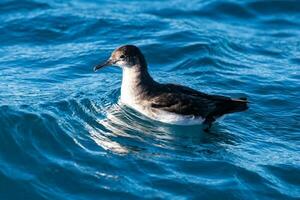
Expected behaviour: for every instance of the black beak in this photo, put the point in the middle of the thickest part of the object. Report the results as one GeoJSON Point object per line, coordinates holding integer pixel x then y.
{"type": "Point", "coordinates": [107, 63]}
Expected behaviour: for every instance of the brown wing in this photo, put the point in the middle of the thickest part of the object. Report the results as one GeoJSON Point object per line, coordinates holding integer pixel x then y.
{"type": "Point", "coordinates": [192, 92]}
{"type": "Point", "coordinates": [186, 101]}
{"type": "Point", "coordinates": [183, 104]}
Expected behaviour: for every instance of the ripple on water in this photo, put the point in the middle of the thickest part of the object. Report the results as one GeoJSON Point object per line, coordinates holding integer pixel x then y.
{"type": "Point", "coordinates": [65, 136]}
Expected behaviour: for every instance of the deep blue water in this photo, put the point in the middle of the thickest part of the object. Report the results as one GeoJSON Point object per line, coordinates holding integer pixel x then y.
{"type": "Point", "coordinates": [64, 136]}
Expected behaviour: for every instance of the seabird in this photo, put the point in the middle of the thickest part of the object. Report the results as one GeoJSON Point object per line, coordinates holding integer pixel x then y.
{"type": "Point", "coordinates": [168, 103]}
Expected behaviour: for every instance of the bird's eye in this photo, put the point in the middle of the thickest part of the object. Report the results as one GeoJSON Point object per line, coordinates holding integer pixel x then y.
{"type": "Point", "coordinates": [122, 56]}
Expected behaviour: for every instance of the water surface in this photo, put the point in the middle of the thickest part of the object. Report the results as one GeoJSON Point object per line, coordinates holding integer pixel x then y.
{"type": "Point", "coordinates": [64, 136]}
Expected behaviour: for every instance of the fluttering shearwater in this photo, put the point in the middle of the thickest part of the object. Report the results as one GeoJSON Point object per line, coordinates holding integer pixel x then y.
{"type": "Point", "coordinates": [168, 103]}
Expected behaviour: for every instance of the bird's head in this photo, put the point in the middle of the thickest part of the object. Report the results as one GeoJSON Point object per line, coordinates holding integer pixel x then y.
{"type": "Point", "coordinates": [127, 56]}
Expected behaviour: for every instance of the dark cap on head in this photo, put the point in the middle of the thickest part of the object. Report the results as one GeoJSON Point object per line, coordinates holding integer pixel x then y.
{"type": "Point", "coordinates": [125, 56]}
{"type": "Point", "coordinates": [129, 50]}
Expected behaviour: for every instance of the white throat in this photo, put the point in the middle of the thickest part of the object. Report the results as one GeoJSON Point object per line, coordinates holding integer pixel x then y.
{"type": "Point", "coordinates": [128, 88]}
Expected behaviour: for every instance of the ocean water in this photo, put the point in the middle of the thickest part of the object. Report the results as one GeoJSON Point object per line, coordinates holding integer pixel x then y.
{"type": "Point", "coordinates": [63, 134]}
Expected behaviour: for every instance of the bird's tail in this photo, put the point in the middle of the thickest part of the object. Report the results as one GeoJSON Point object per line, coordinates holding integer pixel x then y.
{"type": "Point", "coordinates": [225, 107]}
{"type": "Point", "coordinates": [237, 105]}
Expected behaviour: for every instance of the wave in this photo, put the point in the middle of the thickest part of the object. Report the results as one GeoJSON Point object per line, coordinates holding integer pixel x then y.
{"type": "Point", "coordinates": [65, 136]}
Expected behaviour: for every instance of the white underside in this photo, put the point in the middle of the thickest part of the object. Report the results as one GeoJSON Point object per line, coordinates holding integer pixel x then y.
{"type": "Point", "coordinates": [164, 116]}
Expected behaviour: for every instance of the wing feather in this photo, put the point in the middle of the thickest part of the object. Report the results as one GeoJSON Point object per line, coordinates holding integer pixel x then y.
{"type": "Point", "coordinates": [183, 104]}
{"type": "Point", "coordinates": [187, 101]}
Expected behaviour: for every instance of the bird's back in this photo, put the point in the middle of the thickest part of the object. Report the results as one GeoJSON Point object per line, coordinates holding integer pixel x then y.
{"type": "Point", "coordinates": [186, 101]}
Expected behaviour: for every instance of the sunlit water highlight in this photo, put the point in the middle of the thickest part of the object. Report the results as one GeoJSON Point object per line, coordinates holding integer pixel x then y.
{"type": "Point", "coordinates": [65, 136]}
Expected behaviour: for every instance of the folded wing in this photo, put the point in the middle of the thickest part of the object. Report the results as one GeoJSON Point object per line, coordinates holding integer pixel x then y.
{"type": "Point", "coordinates": [186, 101]}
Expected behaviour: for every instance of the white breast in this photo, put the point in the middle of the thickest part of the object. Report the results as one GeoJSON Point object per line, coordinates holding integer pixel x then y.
{"type": "Point", "coordinates": [128, 95]}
